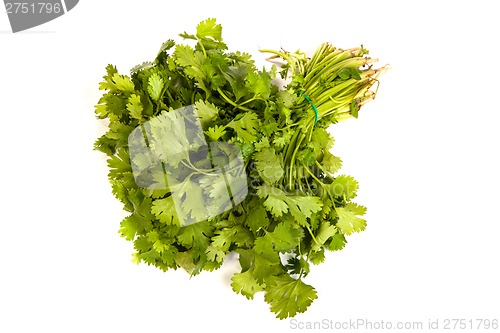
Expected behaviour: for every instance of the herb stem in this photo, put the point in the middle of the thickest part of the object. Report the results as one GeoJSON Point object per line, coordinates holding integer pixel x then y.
{"type": "Point", "coordinates": [227, 99]}
{"type": "Point", "coordinates": [312, 235]}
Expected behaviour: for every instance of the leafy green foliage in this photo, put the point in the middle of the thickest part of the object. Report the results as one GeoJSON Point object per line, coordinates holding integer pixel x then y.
{"type": "Point", "coordinates": [155, 86]}
{"type": "Point", "coordinates": [296, 208]}
{"type": "Point", "coordinates": [245, 283]}
{"type": "Point", "coordinates": [245, 127]}
{"type": "Point", "coordinates": [348, 220]}
{"type": "Point", "coordinates": [269, 165]}
{"type": "Point", "coordinates": [288, 296]}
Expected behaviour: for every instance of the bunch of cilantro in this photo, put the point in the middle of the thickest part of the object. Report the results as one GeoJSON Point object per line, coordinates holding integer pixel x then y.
{"type": "Point", "coordinates": [296, 207]}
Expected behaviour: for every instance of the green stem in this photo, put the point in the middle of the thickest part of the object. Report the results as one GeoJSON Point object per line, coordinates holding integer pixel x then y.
{"type": "Point", "coordinates": [323, 169]}
{"type": "Point", "coordinates": [327, 61]}
{"type": "Point", "coordinates": [313, 176]}
{"type": "Point", "coordinates": [312, 235]}
{"type": "Point", "coordinates": [284, 56]}
{"type": "Point", "coordinates": [202, 47]}
{"type": "Point", "coordinates": [255, 98]}
{"type": "Point", "coordinates": [297, 142]}
{"type": "Point", "coordinates": [315, 58]}
{"type": "Point", "coordinates": [331, 71]}
{"type": "Point", "coordinates": [227, 99]}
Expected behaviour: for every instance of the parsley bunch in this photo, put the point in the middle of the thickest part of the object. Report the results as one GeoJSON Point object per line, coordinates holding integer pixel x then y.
{"type": "Point", "coordinates": [291, 207]}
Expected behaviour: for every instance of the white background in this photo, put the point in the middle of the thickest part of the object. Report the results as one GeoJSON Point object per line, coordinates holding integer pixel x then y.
{"type": "Point", "coordinates": [425, 153]}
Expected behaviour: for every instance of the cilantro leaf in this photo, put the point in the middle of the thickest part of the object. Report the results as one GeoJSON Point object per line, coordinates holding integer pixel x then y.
{"type": "Point", "coordinates": [245, 284]}
{"type": "Point", "coordinates": [192, 61]}
{"type": "Point", "coordinates": [348, 221]}
{"type": "Point", "coordinates": [209, 29]}
{"type": "Point", "coordinates": [269, 165]}
{"type": "Point", "coordinates": [119, 164]}
{"type": "Point", "coordinates": [245, 127]}
{"type": "Point", "coordinates": [257, 219]}
{"type": "Point", "coordinates": [166, 212]}
{"type": "Point", "coordinates": [215, 133]}
{"type": "Point", "coordinates": [215, 254]}
{"type": "Point", "coordinates": [167, 45]}
{"type": "Point", "coordinates": [302, 207]}
{"type": "Point", "coordinates": [282, 139]}
{"type": "Point", "coordinates": [186, 261]}
{"type": "Point", "coordinates": [275, 200]}
{"type": "Point", "coordinates": [235, 76]}
{"type": "Point", "coordinates": [122, 83]}
{"type": "Point", "coordinates": [317, 257]}
{"type": "Point", "coordinates": [134, 106]}
{"type": "Point", "coordinates": [263, 143]}
{"type": "Point", "coordinates": [288, 296]}
{"type": "Point", "coordinates": [344, 187]}
{"type": "Point", "coordinates": [233, 235]}
{"type": "Point", "coordinates": [155, 86]}
{"type": "Point", "coordinates": [259, 83]}
{"type": "Point", "coordinates": [337, 242]}
{"type": "Point", "coordinates": [326, 230]}
{"type": "Point", "coordinates": [331, 163]}
{"type": "Point", "coordinates": [129, 227]}
{"type": "Point", "coordinates": [283, 238]}
{"type": "Point", "coordinates": [266, 265]}
{"type": "Point", "coordinates": [196, 235]}
{"type": "Point", "coordinates": [206, 112]}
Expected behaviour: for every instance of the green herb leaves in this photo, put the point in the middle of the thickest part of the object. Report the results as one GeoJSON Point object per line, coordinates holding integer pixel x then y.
{"type": "Point", "coordinates": [288, 296]}
{"type": "Point", "coordinates": [210, 157]}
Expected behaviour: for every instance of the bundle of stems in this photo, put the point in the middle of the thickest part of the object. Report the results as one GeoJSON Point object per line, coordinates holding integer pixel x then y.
{"type": "Point", "coordinates": [334, 82]}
